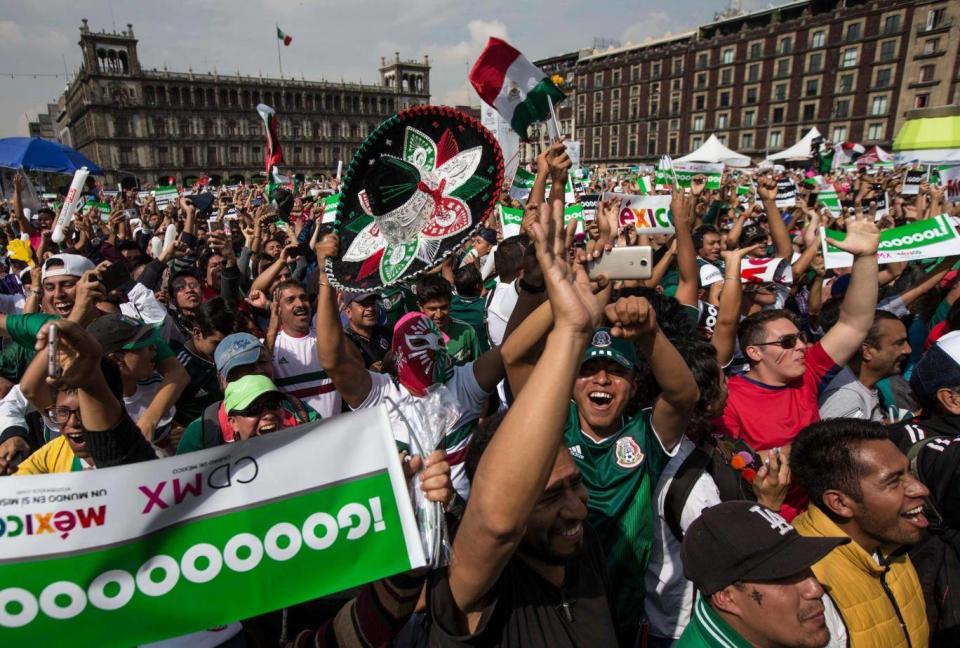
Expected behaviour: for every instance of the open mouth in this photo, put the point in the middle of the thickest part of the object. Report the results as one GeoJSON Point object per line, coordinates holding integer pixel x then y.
{"type": "Point", "coordinates": [600, 399]}
{"type": "Point", "coordinates": [268, 428]}
{"type": "Point", "coordinates": [301, 312]}
{"type": "Point", "coordinates": [573, 531]}
{"type": "Point", "coordinates": [75, 438]}
{"type": "Point", "coordinates": [64, 308]}
{"type": "Point", "coordinates": [916, 517]}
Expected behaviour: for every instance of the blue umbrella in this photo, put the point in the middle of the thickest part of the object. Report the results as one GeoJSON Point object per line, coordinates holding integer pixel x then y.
{"type": "Point", "coordinates": [35, 154]}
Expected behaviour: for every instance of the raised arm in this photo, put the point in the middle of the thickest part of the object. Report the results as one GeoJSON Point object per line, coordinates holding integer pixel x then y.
{"type": "Point", "coordinates": [682, 210]}
{"type": "Point", "coordinates": [345, 369]}
{"type": "Point", "coordinates": [856, 312]}
{"type": "Point", "coordinates": [724, 338]}
{"type": "Point", "coordinates": [767, 188]}
{"type": "Point", "coordinates": [517, 463]}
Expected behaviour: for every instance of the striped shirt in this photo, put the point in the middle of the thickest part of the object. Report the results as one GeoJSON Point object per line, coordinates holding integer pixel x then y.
{"type": "Point", "coordinates": [297, 371]}
{"type": "Point", "coordinates": [706, 628]}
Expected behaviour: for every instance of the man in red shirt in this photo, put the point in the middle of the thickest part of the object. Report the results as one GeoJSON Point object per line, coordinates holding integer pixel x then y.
{"type": "Point", "coordinates": [769, 405]}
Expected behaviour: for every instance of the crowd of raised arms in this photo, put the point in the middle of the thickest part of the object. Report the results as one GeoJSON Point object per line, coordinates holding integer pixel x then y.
{"type": "Point", "coordinates": [697, 458]}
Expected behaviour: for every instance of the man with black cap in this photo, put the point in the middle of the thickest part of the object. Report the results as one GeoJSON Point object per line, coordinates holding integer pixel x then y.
{"type": "Point", "coordinates": [756, 587]}
{"type": "Point", "coordinates": [372, 340]}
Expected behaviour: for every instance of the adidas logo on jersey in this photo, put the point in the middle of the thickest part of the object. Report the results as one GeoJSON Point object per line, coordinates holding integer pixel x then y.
{"type": "Point", "coordinates": [576, 452]}
{"type": "Point", "coordinates": [201, 392]}
{"type": "Point", "coordinates": [283, 360]}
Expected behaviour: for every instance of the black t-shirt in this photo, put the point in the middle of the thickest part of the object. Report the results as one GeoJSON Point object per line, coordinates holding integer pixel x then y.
{"type": "Point", "coordinates": [526, 610]}
{"type": "Point", "coordinates": [204, 387]}
{"type": "Point", "coordinates": [373, 349]}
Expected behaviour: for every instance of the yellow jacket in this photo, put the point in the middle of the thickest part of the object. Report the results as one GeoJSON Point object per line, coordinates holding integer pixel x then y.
{"type": "Point", "coordinates": [53, 457]}
{"type": "Point", "coordinates": [871, 598]}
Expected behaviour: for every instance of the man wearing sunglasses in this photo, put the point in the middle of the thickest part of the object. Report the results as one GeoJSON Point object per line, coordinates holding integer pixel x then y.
{"type": "Point", "coordinates": [777, 397]}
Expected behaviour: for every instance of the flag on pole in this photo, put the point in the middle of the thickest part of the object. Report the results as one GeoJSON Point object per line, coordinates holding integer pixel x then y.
{"type": "Point", "coordinates": [274, 155]}
{"type": "Point", "coordinates": [515, 87]}
{"type": "Point", "coordinates": [286, 38]}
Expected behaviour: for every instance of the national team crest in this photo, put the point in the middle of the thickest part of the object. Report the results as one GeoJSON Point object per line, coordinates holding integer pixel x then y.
{"type": "Point", "coordinates": [628, 453]}
{"type": "Point", "coordinates": [602, 339]}
{"type": "Point", "coordinates": [418, 187]}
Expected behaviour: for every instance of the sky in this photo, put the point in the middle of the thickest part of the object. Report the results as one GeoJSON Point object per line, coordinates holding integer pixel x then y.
{"type": "Point", "coordinates": [331, 40]}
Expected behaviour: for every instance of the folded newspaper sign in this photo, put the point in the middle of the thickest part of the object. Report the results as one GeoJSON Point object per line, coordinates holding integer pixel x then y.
{"type": "Point", "coordinates": [142, 550]}
{"type": "Point", "coordinates": [926, 239]}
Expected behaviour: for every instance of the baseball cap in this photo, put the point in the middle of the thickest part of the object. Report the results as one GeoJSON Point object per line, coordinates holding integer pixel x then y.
{"type": "Point", "coordinates": [938, 368]}
{"type": "Point", "coordinates": [709, 275]}
{"type": "Point", "coordinates": [349, 298]}
{"type": "Point", "coordinates": [751, 234]}
{"type": "Point", "coordinates": [744, 541]}
{"type": "Point", "coordinates": [72, 265]}
{"type": "Point", "coordinates": [236, 350]}
{"type": "Point", "coordinates": [240, 393]}
{"type": "Point", "coordinates": [118, 332]}
{"type": "Point", "coordinates": [604, 345]}
{"type": "Point", "coordinates": [488, 235]}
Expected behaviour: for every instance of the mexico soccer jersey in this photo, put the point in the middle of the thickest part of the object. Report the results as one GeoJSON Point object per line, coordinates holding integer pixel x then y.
{"type": "Point", "coordinates": [620, 473]}
{"type": "Point", "coordinates": [297, 371]}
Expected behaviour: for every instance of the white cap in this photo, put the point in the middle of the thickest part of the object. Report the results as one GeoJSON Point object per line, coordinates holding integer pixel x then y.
{"type": "Point", "coordinates": [709, 275]}
{"type": "Point", "coordinates": [72, 265]}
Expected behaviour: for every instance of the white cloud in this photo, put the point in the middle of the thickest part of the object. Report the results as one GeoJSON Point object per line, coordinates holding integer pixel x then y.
{"type": "Point", "coordinates": [451, 63]}
{"type": "Point", "coordinates": [10, 34]}
{"type": "Point", "coordinates": [654, 25]}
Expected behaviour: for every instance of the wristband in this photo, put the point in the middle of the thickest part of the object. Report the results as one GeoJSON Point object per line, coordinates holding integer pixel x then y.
{"type": "Point", "coordinates": [531, 289]}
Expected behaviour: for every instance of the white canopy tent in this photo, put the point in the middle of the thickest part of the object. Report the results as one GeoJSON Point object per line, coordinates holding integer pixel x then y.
{"type": "Point", "coordinates": [714, 151]}
{"type": "Point", "coordinates": [799, 151]}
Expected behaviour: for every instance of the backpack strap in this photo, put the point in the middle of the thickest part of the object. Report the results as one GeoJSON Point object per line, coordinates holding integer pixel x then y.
{"type": "Point", "coordinates": [680, 487]}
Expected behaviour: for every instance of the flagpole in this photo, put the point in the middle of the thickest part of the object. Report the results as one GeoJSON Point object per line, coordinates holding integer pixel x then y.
{"type": "Point", "coordinates": [279, 60]}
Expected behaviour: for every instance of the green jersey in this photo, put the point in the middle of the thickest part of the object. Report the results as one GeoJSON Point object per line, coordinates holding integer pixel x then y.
{"type": "Point", "coordinates": [620, 474]}
{"type": "Point", "coordinates": [24, 328]}
{"type": "Point", "coordinates": [462, 344]}
{"type": "Point", "coordinates": [472, 310]}
{"type": "Point", "coordinates": [707, 630]}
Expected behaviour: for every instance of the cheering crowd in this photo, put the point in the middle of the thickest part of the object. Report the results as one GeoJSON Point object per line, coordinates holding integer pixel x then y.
{"type": "Point", "coordinates": [689, 459]}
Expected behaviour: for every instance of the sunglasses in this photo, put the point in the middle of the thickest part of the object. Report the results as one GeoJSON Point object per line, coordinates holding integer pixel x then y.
{"type": "Point", "coordinates": [785, 341]}
{"type": "Point", "coordinates": [257, 409]}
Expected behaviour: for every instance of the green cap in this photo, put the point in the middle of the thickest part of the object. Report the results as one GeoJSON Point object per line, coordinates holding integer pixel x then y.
{"type": "Point", "coordinates": [604, 345]}
{"type": "Point", "coordinates": [240, 393]}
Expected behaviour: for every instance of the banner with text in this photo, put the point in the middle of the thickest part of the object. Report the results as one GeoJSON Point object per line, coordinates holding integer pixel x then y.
{"type": "Point", "coordinates": [330, 204]}
{"type": "Point", "coordinates": [137, 553]}
{"type": "Point", "coordinates": [649, 214]}
{"type": "Point", "coordinates": [522, 184]}
{"type": "Point", "coordinates": [950, 181]}
{"type": "Point", "coordinates": [686, 170]}
{"type": "Point", "coordinates": [926, 239]}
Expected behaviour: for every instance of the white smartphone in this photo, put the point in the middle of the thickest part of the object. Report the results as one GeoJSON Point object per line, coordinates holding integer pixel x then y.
{"type": "Point", "coordinates": [635, 262]}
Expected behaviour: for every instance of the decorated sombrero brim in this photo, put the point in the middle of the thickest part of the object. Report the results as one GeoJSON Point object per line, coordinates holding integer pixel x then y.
{"type": "Point", "coordinates": [418, 187]}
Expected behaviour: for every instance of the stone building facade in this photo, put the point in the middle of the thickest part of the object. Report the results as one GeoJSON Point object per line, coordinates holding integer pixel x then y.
{"type": "Point", "coordinates": [852, 68]}
{"type": "Point", "coordinates": [152, 124]}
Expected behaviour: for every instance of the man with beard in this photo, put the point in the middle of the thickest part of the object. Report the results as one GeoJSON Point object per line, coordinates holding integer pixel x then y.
{"type": "Point", "coordinates": [297, 367]}
{"type": "Point", "coordinates": [528, 570]}
{"type": "Point", "coordinates": [853, 393]}
{"type": "Point", "coordinates": [753, 573]}
{"type": "Point", "coordinates": [422, 363]}
{"type": "Point", "coordinates": [861, 487]}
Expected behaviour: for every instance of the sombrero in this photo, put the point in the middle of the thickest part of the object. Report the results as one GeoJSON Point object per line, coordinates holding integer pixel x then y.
{"type": "Point", "coordinates": [420, 184]}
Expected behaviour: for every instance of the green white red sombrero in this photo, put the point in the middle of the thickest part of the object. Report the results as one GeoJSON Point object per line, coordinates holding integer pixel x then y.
{"type": "Point", "coordinates": [418, 187]}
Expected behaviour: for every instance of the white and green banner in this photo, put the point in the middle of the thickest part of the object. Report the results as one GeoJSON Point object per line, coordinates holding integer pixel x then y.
{"type": "Point", "coordinates": [522, 184]}
{"type": "Point", "coordinates": [134, 554]}
{"type": "Point", "coordinates": [649, 214]}
{"type": "Point", "coordinates": [163, 195]}
{"type": "Point", "coordinates": [926, 239]}
{"type": "Point", "coordinates": [686, 170]}
{"type": "Point", "coordinates": [510, 220]}
{"type": "Point", "coordinates": [827, 194]}
{"type": "Point", "coordinates": [330, 204]}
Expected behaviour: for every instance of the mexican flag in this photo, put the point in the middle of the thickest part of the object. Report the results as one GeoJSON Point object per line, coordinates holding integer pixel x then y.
{"type": "Point", "coordinates": [514, 86]}
{"type": "Point", "coordinates": [274, 155]}
{"type": "Point", "coordinates": [286, 38]}
{"type": "Point", "coordinates": [522, 184]}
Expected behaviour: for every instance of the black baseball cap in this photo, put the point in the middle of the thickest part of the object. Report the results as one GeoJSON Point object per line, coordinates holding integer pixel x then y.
{"type": "Point", "coordinates": [118, 332]}
{"type": "Point", "coordinates": [751, 234]}
{"type": "Point", "coordinates": [351, 297]}
{"type": "Point", "coordinates": [744, 541]}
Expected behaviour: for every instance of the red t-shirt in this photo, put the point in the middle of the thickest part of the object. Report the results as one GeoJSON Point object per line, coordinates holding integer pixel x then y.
{"type": "Point", "coordinates": [767, 417]}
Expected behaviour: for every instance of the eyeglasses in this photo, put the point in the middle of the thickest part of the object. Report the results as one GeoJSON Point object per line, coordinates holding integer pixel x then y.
{"type": "Point", "coordinates": [785, 341]}
{"type": "Point", "coordinates": [257, 409]}
{"type": "Point", "coordinates": [60, 415]}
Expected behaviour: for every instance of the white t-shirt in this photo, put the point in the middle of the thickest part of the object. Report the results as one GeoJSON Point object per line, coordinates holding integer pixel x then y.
{"type": "Point", "coordinates": [499, 308]}
{"type": "Point", "coordinates": [469, 396]}
{"type": "Point", "coordinates": [141, 399]}
{"type": "Point", "coordinates": [297, 371]}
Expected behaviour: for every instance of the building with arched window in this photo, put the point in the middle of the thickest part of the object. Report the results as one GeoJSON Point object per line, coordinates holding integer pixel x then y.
{"type": "Point", "coordinates": [157, 123]}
